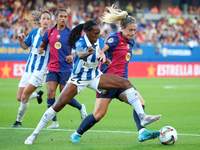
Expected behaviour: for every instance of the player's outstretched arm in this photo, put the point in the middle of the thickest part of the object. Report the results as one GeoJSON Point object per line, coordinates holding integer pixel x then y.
{"type": "Point", "coordinates": [21, 38]}
{"type": "Point", "coordinates": [84, 54]}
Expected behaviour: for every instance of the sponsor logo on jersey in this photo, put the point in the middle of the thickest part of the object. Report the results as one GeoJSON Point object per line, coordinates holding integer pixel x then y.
{"type": "Point", "coordinates": [78, 44]}
{"type": "Point", "coordinates": [128, 56]}
{"type": "Point", "coordinates": [57, 45]}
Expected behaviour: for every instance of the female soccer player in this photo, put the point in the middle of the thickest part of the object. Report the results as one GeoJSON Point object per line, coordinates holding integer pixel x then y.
{"type": "Point", "coordinates": [119, 49]}
{"type": "Point", "coordinates": [59, 70]}
{"type": "Point", "coordinates": [35, 71]}
{"type": "Point", "coordinates": [86, 73]}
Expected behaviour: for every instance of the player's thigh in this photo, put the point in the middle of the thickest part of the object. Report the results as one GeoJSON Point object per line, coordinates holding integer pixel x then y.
{"type": "Point", "coordinates": [101, 106]}
{"type": "Point", "coordinates": [112, 81]}
{"type": "Point", "coordinates": [29, 89]}
{"type": "Point", "coordinates": [69, 91]}
{"type": "Point", "coordinates": [51, 88]}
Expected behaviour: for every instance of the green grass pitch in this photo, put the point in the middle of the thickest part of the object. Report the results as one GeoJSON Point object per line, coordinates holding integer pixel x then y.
{"type": "Point", "coordinates": [176, 99]}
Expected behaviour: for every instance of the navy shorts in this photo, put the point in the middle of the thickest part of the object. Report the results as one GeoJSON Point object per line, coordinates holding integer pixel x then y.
{"type": "Point", "coordinates": [60, 77]}
{"type": "Point", "coordinates": [111, 93]}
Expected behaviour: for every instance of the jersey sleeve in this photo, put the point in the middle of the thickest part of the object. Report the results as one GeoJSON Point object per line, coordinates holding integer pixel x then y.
{"type": "Point", "coordinates": [79, 45]}
{"type": "Point", "coordinates": [28, 39]}
{"type": "Point", "coordinates": [112, 41]}
{"type": "Point", "coordinates": [45, 38]}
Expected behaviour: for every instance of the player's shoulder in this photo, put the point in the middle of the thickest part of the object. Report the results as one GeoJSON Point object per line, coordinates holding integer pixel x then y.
{"type": "Point", "coordinates": [113, 39]}
{"type": "Point", "coordinates": [132, 41]}
{"type": "Point", "coordinates": [34, 31]}
{"type": "Point", "coordinates": [80, 42]}
{"type": "Point", "coordinates": [101, 39]}
{"type": "Point", "coordinates": [68, 29]}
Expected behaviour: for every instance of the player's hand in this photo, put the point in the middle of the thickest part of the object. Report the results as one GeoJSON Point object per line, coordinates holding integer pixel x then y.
{"type": "Point", "coordinates": [21, 37]}
{"type": "Point", "coordinates": [102, 57]}
{"type": "Point", "coordinates": [108, 62]}
{"type": "Point", "coordinates": [91, 50]}
{"type": "Point", "coordinates": [69, 58]}
{"type": "Point", "coordinates": [40, 50]}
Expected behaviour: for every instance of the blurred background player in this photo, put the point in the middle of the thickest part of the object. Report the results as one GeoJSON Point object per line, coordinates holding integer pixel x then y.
{"type": "Point", "coordinates": [119, 49]}
{"type": "Point", "coordinates": [59, 70]}
{"type": "Point", "coordinates": [35, 70]}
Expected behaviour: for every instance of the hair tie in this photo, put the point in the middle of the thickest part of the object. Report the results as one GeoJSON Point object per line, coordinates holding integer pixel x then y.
{"type": "Point", "coordinates": [130, 23]}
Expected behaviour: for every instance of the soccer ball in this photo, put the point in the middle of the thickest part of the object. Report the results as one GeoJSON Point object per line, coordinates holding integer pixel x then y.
{"type": "Point", "coordinates": [168, 135]}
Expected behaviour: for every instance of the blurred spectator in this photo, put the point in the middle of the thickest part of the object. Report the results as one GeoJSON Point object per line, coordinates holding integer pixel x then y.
{"type": "Point", "coordinates": [143, 21]}
{"type": "Point", "coordinates": [191, 10]}
{"type": "Point", "coordinates": [154, 10]}
{"type": "Point", "coordinates": [138, 7]}
{"type": "Point", "coordinates": [129, 8]}
{"type": "Point", "coordinates": [5, 39]}
{"type": "Point", "coordinates": [177, 11]}
{"type": "Point", "coordinates": [14, 39]}
{"type": "Point", "coordinates": [171, 10]}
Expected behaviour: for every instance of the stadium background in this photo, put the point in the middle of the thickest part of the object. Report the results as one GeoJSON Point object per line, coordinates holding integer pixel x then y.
{"type": "Point", "coordinates": [168, 33]}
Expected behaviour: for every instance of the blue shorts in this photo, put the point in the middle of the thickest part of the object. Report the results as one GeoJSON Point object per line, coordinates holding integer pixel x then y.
{"type": "Point", "coordinates": [111, 93]}
{"type": "Point", "coordinates": [60, 77]}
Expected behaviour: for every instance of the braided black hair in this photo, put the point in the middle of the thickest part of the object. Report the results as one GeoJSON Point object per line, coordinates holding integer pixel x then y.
{"type": "Point", "coordinates": [76, 32]}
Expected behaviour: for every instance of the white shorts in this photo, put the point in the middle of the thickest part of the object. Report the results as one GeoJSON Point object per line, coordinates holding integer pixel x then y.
{"type": "Point", "coordinates": [37, 79]}
{"type": "Point", "coordinates": [81, 85]}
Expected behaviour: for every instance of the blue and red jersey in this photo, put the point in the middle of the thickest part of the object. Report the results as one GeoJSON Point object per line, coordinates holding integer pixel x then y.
{"type": "Point", "coordinates": [59, 49]}
{"type": "Point", "coordinates": [120, 52]}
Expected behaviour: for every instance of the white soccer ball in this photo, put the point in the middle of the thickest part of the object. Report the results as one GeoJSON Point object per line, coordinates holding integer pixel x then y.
{"type": "Point", "coordinates": [168, 135]}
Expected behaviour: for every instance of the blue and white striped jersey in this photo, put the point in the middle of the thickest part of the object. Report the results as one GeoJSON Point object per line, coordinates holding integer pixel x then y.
{"type": "Point", "coordinates": [35, 61]}
{"type": "Point", "coordinates": [88, 68]}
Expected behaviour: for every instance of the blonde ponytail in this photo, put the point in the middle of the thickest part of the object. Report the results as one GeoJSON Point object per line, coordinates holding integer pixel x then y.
{"type": "Point", "coordinates": [114, 15]}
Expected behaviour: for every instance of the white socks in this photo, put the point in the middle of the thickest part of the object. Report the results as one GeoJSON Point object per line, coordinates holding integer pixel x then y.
{"type": "Point", "coordinates": [21, 111]}
{"type": "Point", "coordinates": [48, 116]}
{"type": "Point", "coordinates": [134, 100]}
{"type": "Point", "coordinates": [33, 95]}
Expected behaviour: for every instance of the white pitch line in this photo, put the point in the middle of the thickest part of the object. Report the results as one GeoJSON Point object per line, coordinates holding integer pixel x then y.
{"type": "Point", "coordinates": [105, 131]}
{"type": "Point", "coordinates": [180, 86]}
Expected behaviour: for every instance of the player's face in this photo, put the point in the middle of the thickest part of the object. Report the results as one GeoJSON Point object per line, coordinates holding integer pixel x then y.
{"type": "Point", "coordinates": [45, 20]}
{"type": "Point", "coordinates": [93, 34]}
{"type": "Point", "coordinates": [62, 18]}
{"type": "Point", "coordinates": [129, 31]}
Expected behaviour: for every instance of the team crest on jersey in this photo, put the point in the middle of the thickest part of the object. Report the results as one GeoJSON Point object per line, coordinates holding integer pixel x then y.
{"type": "Point", "coordinates": [58, 36]}
{"type": "Point", "coordinates": [128, 46]}
{"type": "Point", "coordinates": [110, 40]}
{"type": "Point", "coordinates": [57, 45]}
{"type": "Point", "coordinates": [99, 50]}
{"type": "Point", "coordinates": [78, 44]}
{"type": "Point", "coordinates": [128, 56]}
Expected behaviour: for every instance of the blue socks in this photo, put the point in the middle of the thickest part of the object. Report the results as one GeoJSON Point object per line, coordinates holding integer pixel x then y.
{"type": "Point", "coordinates": [137, 119]}
{"type": "Point", "coordinates": [75, 103]}
{"type": "Point", "coordinates": [86, 124]}
{"type": "Point", "coordinates": [50, 102]}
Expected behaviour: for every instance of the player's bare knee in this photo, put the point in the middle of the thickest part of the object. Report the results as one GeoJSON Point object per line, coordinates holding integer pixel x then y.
{"type": "Point", "coordinates": [24, 99]}
{"type": "Point", "coordinates": [127, 84]}
{"type": "Point", "coordinates": [99, 116]}
{"type": "Point", "coordinates": [51, 94]}
{"type": "Point", "coordinates": [19, 98]}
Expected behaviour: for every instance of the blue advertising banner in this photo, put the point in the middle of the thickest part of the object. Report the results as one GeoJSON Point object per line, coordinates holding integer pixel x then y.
{"type": "Point", "coordinates": [166, 54]}
{"type": "Point", "coordinates": [13, 52]}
